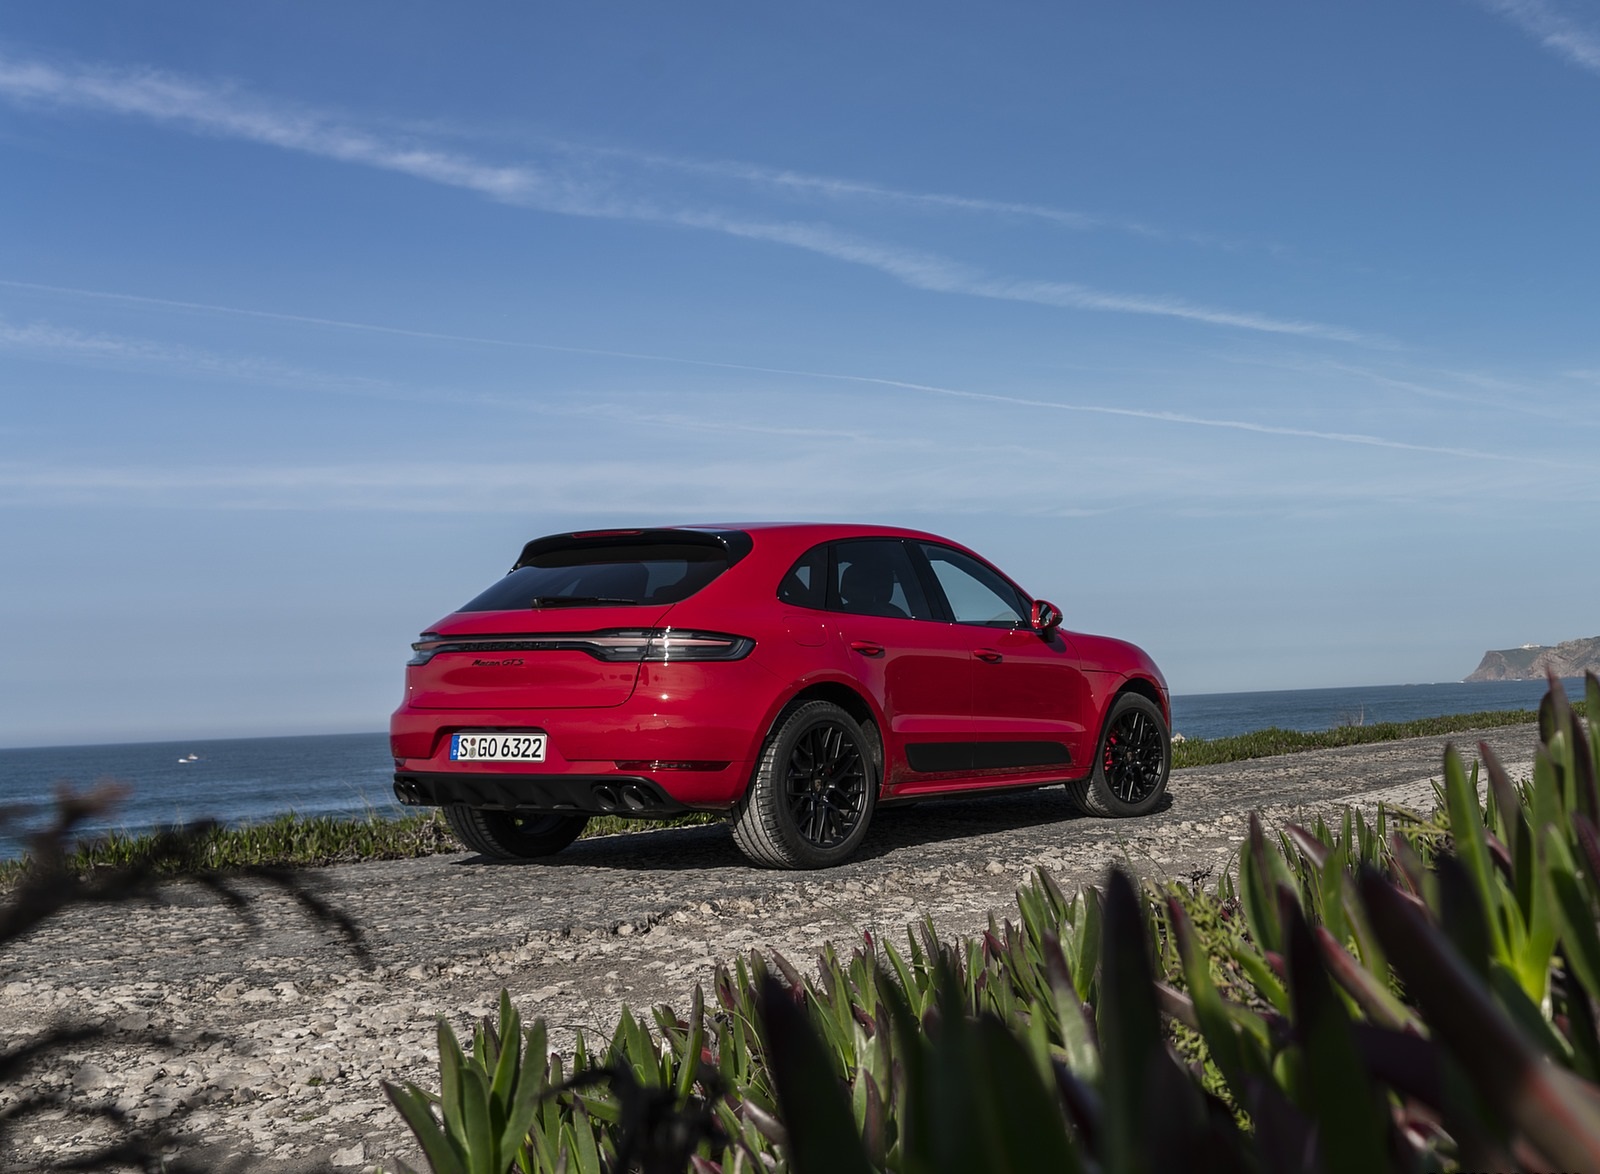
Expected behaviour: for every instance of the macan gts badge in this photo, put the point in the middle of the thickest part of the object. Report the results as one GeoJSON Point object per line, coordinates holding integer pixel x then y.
{"type": "Point", "coordinates": [792, 677]}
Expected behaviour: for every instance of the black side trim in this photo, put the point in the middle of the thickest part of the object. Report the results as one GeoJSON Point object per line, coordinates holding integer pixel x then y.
{"type": "Point", "coordinates": [947, 757]}
{"type": "Point", "coordinates": [622, 795]}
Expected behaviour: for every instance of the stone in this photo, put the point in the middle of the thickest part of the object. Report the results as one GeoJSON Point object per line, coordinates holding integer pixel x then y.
{"type": "Point", "coordinates": [90, 1077]}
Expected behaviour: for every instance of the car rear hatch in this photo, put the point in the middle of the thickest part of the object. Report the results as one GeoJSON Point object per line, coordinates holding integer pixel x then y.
{"type": "Point", "coordinates": [569, 625]}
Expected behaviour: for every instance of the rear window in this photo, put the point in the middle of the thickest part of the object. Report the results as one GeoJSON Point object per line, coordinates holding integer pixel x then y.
{"type": "Point", "coordinates": [606, 575]}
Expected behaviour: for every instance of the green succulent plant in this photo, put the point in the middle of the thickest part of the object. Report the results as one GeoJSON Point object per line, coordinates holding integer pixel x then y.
{"type": "Point", "coordinates": [1407, 994]}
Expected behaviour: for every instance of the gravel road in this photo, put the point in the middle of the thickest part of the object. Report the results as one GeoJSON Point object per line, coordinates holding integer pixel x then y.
{"type": "Point", "coordinates": [276, 1040]}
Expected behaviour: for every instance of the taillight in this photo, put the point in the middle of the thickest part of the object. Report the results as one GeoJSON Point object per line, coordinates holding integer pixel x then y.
{"type": "Point", "coordinates": [422, 651]}
{"type": "Point", "coordinates": [667, 645]}
{"type": "Point", "coordinates": [663, 645]}
{"type": "Point", "coordinates": [671, 644]}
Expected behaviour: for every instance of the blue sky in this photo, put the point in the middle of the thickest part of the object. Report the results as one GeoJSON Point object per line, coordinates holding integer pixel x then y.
{"type": "Point", "coordinates": [1265, 336]}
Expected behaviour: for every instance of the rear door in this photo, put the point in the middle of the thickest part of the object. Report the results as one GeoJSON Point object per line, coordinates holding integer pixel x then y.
{"type": "Point", "coordinates": [921, 676]}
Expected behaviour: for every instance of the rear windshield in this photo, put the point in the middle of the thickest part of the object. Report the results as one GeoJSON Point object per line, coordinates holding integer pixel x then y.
{"type": "Point", "coordinates": [617, 575]}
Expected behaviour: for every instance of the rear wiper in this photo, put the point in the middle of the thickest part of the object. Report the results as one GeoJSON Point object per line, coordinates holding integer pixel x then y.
{"type": "Point", "coordinates": [579, 601]}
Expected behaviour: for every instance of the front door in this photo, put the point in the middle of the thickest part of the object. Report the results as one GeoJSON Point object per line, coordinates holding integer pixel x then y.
{"type": "Point", "coordinates": [1031, 706]}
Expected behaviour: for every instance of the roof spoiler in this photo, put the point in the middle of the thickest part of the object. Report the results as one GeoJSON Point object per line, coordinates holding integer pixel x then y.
{"type": "Point", "coordinates": [736, 543]}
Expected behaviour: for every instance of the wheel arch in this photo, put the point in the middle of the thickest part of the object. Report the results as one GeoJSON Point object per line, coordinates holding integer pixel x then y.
{"type": "Point", "coordinates": [848, 698]}
{"type": "Point", "coordinates": [1147, 689]}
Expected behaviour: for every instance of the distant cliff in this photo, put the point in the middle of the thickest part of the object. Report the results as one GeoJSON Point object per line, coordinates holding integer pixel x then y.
{"type": "Point", "coordinates": [1532, 662]}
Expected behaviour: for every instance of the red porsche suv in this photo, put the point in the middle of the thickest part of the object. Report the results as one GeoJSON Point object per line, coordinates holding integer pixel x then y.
{"type": "Point", "coordinates": [793, 677]}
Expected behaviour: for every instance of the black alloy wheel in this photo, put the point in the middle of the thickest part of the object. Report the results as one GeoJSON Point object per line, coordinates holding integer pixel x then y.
{"type": "Point", "coordinates": [1131, 768]}
{"type": "Point", "coordinates": [1134, 760]}
{"type": "Point", "coordinates": [813, 791]}
{"type": "Point", "coordinates": [826, 785]}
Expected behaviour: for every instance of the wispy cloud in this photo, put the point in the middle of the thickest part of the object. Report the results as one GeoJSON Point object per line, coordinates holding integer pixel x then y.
{"type": "Point", "coordinates": [58, 343]}
{"type": "Point", "coordinates": [1487, 392]}
{"type": "Point", "coordinates": [1355, 438]}
{"type": "Point", "coordinates": [98, 346]}
{"type": "Point", "coordinates": [838, 486]}
{"type": "Point", "coordinates": [1553, 29]}
{"type": "Point", "coordinates": [302, 319]}
{"type": "Point", "coordinates": [230, 112]}
{"type": "Point", "coordinates": [842, 189]}
{"type": "Point", "coordinates": [779, 477]}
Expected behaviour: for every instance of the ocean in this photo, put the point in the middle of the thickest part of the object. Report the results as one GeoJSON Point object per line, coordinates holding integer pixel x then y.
{"type": "Point", "coordinates": [243, 780]}
{"type": "Point", "coordinates": [1219, 715]}
{"type": "Point", "coordinates": [236, 780]}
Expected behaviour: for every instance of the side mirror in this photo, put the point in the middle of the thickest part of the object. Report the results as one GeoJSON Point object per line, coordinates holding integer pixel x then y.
{"type": "Point", "coordinates": [1046, 617]}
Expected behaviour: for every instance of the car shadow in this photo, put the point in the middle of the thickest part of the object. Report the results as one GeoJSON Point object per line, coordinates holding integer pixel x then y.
{"type": "Point", "coordinates": [893, 830]}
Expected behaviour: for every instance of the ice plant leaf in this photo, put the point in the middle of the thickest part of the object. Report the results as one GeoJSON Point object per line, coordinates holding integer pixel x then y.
{"type": "Point", "coordinates": [483, 1141]}
{"type": "Point", "coordinates": [1347, 1109]}
{"type": "Point", "coordinates": [1025, 1130]}
{"type": "Point", "coordinates": [1370, 993]}
{"type": "Point", "coordinates": [1314, 849]}
{"type": "Point", "coordinates": [1132, 1043]}
{"type": "Point", "coordinates": [1584, 769]}
{"type": "Point", "coordinates": [451, 1062]}
{"type": "Point", "coordinates": [1259, 972]}
{"type": "Point", "coordinates": [1462, 914]}
{"type": "Point", "coordinates": [415, 1106]}
{"type": "Point", "coordinates": [1256, 890]}
{"type": "Point", "coordinates": [1548, 1105]}
{"type": "Point", "coordinates": [1579, 934]}
{"type": "Point", "coordinates": [523, 1107]}
{"type": "Point", "coordinates": [507, 1054]}
{"type": "Point", "coordinates": [1211, 1014]}
{"type": "Point", "coordinates": [816, 1113]}
{"type": "Point", "coordinates": [1466, 829]}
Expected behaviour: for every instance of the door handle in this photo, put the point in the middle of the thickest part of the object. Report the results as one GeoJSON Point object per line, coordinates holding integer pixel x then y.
{"type": "Point", "coordinates": [988, 655]}
{"type": "Point", "coordinates": [867, 647]}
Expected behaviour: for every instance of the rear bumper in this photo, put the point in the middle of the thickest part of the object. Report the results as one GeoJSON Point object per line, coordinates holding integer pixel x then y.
{"type": "Point", "coordinates": [625, 795]}
{"type": "Point", "coordinates": [689, 735]}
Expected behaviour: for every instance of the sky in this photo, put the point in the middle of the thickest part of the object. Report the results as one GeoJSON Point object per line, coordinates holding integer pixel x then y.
{"type": "Point", "coordinates": [1262, 335]}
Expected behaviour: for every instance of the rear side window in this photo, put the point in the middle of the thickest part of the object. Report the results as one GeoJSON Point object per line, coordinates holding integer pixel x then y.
{"type": "Point", "coordinates": [875, 577]}
{"type": "Point", "coordinates": [606, 575]}
{"type": "Point", "coordinates": [804, 585]}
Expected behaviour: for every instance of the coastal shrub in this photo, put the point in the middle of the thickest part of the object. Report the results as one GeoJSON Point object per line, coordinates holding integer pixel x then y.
{"type": "Point", "coordinates": [1400, 995]}
{"type": "Point", "coordinates": [1273, 741]}
{"type": "Point", "coordinates": [289, 840]}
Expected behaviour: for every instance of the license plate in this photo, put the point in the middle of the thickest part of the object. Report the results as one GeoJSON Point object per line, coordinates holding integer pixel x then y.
{"type": "Point", "coordinates": [497, 747]}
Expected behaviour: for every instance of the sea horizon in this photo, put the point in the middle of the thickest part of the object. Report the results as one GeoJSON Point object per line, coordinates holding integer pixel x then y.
{"type": "Point", "coordinates": [1573, 686]}
{"type": "Point", "coordinates": [251, 779]}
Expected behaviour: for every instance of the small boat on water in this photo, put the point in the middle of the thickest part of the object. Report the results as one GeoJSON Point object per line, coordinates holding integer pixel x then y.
{"type": "Point", "coordinates": [191, 757]}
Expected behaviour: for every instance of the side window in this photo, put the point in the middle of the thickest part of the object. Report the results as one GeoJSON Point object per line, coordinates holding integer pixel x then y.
{"type": "Point", "coordinates": [975, 593]}
{"type": "Point", "coordinates": [803, 586]}
{"type": "Point", "coordinates": [875, 577]}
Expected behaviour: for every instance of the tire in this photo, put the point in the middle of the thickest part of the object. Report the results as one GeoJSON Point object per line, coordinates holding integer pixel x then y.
{"type": "Point", "coordinates": [513, 835]}
{"type": "Point", "coordinates": [813, 791]}
{"type": "Point", "coordinates": [1131, 767]}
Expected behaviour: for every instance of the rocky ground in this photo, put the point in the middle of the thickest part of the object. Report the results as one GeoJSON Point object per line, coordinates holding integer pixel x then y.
{"type": "Point", "coordinates": [266, 1048]}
